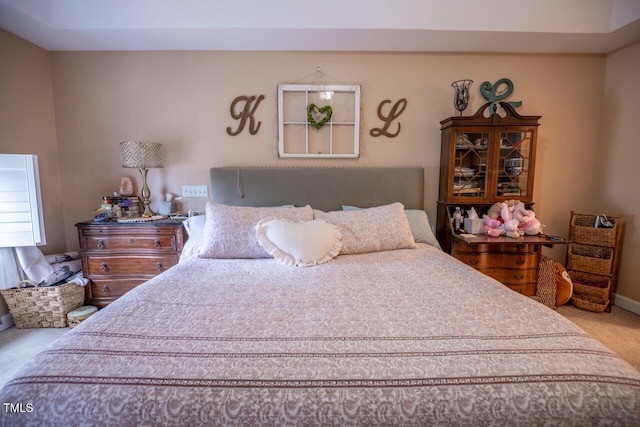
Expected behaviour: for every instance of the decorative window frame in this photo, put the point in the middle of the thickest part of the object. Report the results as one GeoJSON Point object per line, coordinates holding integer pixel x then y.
{"type": "Point", "coordinates": [284, 146]}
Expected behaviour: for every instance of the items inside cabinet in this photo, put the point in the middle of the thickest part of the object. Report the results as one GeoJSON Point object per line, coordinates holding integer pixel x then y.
{"type": "Point", "coordinates": [470, 164]}
{"type": "Point", "coordinates": [514, 163]}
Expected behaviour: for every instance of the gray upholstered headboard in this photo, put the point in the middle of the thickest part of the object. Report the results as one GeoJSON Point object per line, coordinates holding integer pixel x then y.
{"type": "Point", "coordinates": [323, 188]}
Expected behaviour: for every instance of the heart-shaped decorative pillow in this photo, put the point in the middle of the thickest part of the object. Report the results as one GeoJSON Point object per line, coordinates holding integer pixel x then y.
{"type": "Point", "coordinates": [302, 244]}
{"type": "Point", "coordinates": [322, 113]}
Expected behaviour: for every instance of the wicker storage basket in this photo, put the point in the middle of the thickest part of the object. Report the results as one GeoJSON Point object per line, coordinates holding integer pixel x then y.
{"type": "Point", "coordinates": [42, 307]}
{"type": "Point", "coordinates": [590, 303]}
{"type": "Point", "coordinates": [590, 284]}
{"type": "Point", "coordinates": [546, 287]}
{"type": "Point", "coordinates": [594, 259]}
{"type": "Point", "coordinates": [77, 316]}
{"type": "Point", "coordinates": [583, 230]}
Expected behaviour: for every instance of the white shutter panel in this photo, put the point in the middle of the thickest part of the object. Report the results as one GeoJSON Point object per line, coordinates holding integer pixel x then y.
{"type": "Point", "coordinates": [21, 221]}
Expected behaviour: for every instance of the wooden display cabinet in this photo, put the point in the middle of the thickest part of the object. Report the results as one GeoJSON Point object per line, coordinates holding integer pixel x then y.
{"type": "Point", "coordinates": [488, 159]}
{"type": "Point", "coordinates": [485, 160]}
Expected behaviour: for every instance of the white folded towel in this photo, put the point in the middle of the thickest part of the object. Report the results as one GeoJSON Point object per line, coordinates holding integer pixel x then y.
{"type": "Point", "coordinates": [33, 263]}
{"type": "Point", "coordinates": [10, 271]}
{"type": "Point", "coordinates": [78, 279]}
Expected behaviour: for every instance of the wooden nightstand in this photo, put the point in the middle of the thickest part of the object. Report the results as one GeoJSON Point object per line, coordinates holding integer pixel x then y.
{"type": "Point", "coordinates": [117, 257]}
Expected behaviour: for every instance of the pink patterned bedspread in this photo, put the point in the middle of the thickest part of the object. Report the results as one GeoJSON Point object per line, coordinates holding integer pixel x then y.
{"type": "Point", "coordinates": [404, 337]}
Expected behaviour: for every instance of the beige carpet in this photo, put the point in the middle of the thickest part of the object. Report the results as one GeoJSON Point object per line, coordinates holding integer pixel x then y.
{"type": "Point", "coordinates": [17, 346]}
{"type": "Point", "coordinates": [618, 330]}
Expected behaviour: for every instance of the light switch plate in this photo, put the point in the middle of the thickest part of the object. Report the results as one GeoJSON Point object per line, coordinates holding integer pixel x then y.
{"type": "Point", "coordinates": [195, 191]}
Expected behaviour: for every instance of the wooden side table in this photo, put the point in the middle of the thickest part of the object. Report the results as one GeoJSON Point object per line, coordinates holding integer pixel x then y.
{"type": "Point", "coordinates": [117, 257]}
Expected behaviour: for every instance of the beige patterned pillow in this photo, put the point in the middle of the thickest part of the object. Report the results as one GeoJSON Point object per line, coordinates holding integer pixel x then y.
{"type": "Point", "coordinates": [229, 230]}
{"type": "Point", "coordinates": [376, 229]}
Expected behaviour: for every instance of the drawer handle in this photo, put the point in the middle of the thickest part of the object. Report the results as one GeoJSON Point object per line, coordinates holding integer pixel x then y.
{"type": "Point", "coordinates": [520, 246]}
{"type": "Point", "coordinates": [473, 261]}
{"type": "Point", "coordinates": [157, 243]}
{"type": "Point", "coordinates": [518, 276]}
{"type": "Point", "coordinates": [104, 267]}
{"type": "Point", "coordinates": [106, 289]}
{"type": "Point", "coordinates": [159, 266]}
{"type": "Point", "coordinates": [520, 261]}
{"type": "Point", "coordinates": [130, 240]}
{"type": "Point", "coordinates": [101, 244]}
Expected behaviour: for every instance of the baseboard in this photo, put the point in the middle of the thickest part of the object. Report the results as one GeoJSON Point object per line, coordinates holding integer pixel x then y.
{"type": "Point", "coordinates": [627, 303]}
{"type": "Point", "coordinates": [6, 321]}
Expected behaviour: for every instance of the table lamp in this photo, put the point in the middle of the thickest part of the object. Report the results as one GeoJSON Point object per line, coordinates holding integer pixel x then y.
{"type": "Point", "coordinates": [142, 155]}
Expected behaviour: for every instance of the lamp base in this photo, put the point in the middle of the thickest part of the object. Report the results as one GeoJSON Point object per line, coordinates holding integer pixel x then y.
{"type": "Point", "coordinates": [147, 213]}
{"type": "Point", "coordinates": [146, 193]}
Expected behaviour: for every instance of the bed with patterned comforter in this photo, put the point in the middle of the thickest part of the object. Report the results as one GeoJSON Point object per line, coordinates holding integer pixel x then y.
{"type": "Point", "coordinates": [402, 337]}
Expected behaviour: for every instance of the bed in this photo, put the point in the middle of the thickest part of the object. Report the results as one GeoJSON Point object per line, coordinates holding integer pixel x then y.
{"type": "Point", "coordinates": [404, 336]}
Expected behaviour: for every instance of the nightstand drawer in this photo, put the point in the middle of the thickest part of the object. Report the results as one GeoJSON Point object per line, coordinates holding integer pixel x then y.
{"type": "Point", "coordinates": [517, 247]}
{"type": "Point", "coordinates": [528, 290]}
{"type": "Point", "coordinates": [112, 288]}
{"type": "Point", "coordinates": [134, 243]}
{"type": "Point", "coordinates": [119, 265]}
{"type": "Point", "coordinates": [493, 260]}
{"type": "Point", "coordinates": [512, 276]}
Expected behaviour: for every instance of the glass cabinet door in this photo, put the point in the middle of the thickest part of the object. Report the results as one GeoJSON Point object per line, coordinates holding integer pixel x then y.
{"type": "Point", "coordinates": [514, 163]}
{"type": "Point", "coordinates": [471, 157]}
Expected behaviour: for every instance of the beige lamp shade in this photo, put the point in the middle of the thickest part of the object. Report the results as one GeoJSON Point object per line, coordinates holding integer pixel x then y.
{"type": "Point", "coordinates": [141, 155]}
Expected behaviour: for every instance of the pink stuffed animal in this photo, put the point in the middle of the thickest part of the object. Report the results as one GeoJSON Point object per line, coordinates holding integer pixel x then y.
{"type": "Point", "coordinates": [491, 226]}
{"type": "Point", "coordinates": [510, 223]}
{"type": "Point", "coordinates": [527, 221]}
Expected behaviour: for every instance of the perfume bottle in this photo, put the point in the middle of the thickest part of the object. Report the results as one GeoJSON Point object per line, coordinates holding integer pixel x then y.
{"type": "Point", "coordinates": [457, 219]}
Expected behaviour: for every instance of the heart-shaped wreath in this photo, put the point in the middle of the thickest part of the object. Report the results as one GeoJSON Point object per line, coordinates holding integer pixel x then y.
{"type": "Point", "coordinates": [324, 112]}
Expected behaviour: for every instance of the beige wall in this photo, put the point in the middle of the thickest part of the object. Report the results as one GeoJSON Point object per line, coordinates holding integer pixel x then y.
{"type": "Point", "coordinates": [182, 99]}
{"type": "Point", "coordinates": [618, 172]}
{"type": "Point", "coordinates": [27, 126]}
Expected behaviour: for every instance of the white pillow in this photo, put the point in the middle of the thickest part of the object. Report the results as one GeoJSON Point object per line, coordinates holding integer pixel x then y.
{"type": "Point", "coordinates": [303, 243]}
{"type": "Point", "coordinates": [195, 231]}
{"type": "Point", "coordinates": [229, 230]}
{"type": "Point", "coordinates": [381, 228]}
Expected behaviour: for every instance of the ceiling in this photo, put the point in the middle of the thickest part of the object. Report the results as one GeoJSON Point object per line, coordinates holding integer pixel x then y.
{"type": "Point", "coordinates": [522, 26]}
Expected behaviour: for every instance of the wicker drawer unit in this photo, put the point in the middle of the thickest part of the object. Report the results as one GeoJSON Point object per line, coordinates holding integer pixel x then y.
{"type": "Point", "coordinates": [118, 257]}
{"type": "Point", "coordinates": [593, 258]}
